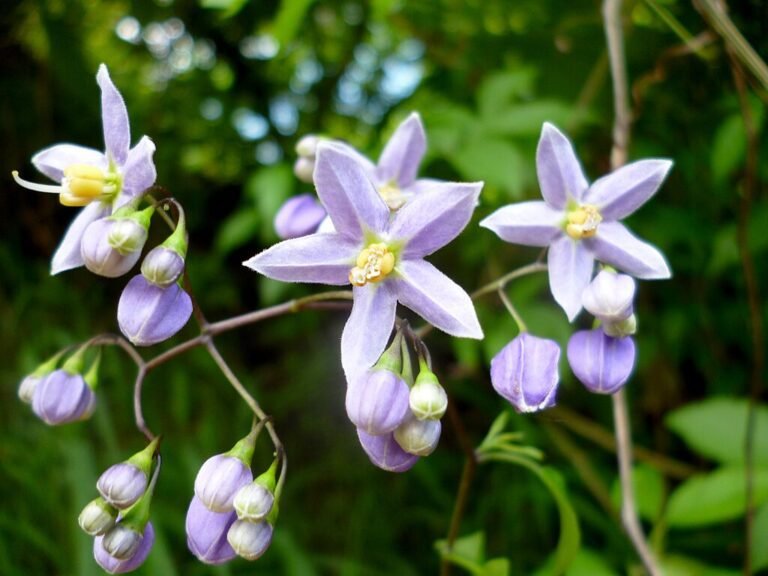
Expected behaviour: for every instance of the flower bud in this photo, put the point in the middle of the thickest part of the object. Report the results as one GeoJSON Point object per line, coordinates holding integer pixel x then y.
{"type": "Point", "coordinates": [127, 236]}
{"type": "Point", "coordinates": [602, 363]}
{"type": "Point", "coordinates": [250, 539]}
{"type": "Point", "coordinates": [419, 437]}
{"type": "Point", "coordinates": [306, 147]}
{"type": "Point", "coordinates": [621, 328]}
{"type": "Point", "coordinates": [148, 314]}
{"type": "Point", "coordinates": [386, 453]}
{"type": "Point", "coordinates": [525, 372]}
{"type": "Point", "coordinates": [97, 517]}
{"type": "Point", "coordinates": [299, 216]}
{"type": "Point", "coordinates": [207, 533]}
{"type": "Point", "coordinates": [101, 256]}
{"type": "Point", "coordinates": [219, 479]}
{"type": "Point", "coordinates": [122, 541]}
{"type": "Point", "coordinates": [122, 484]}
{"type": "Point", "coordinates": [427, 398]}
{"type": "Point", "coordinates": [609, 296]}
{"type": "Point", "coordinates": [114, 565]}
{"type": "Point", "coordinates": [253, 502]}
{"type": "Point", "coordinates": [162, 266]}
{"type": "Point", "coordinates": [28, 386]}
{"type": "Point", "coordinates": [377, 402]}
{"type": "Point", "coordinates": [62, 397]}
{"type": "Point", "coordinates": [304, 169]}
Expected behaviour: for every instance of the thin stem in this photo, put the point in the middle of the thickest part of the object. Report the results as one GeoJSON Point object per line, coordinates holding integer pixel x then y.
{"type": "Point", "coordinates": [507, 278]}
{"type": "Point", "coordinates": [512, 310]}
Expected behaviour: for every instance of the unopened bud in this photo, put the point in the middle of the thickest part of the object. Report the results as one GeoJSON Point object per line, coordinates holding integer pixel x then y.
{"type": "Point", "coordinates": [250, 539]}
{"type": "Point", "coordinates": [122, 541]}
{"type": "Point", "coordinates": [97, 517]}
{"type": "Point", "coordinates": [419, 437]}
{"type": "Point", "coordinates": [609, 296]}
{"type": "Point", "coordinates": [428, 399]}
{"type": "Point", "coordinates": [621, 328]}
{"type": "Point", "coordinates": [162, 266]}
{"type": "Point", "coordinates": [122, 484]}
{"type": "Point", "coordinates": [304, 169]}
{"type": "Point", "coordinates": [254, 501]}
{"type": "Point", "coordinates": [104, 246]}
{"type": "Point", "coordinates": [603, 364]}
{"type": "Point", "coordinates": [27, 388]}
{"type": "Point", "coordinates": [306, 147]}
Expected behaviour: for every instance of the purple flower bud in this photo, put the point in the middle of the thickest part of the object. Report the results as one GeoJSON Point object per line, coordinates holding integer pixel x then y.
{"type": "Point", "coordinates": [97, 517]}
{"type": "Point", "coordinates": [299, 216]}
{"type": "Point", "coordinates": [250, 539]}
{"type": "Point", "coordinates": [386, 453]}
{"type": "Point", "coordinates": [609, 296]}
{"type": "Point", "coordinates": [377, 402]}
{"type": "Point", "coordinates": [117, 566]}
{"type": "Point", "coordinates": [207, 533]}
{"type": "Point", "coordinates": [162, 266]}
{"type": "Point", "coordinates": [104, 257]}
{"type": "Point", "coordinates": [148, 314]}
{"type": "Point", "coordinates": [122, 484]}
{"type": "Point", "coordinates": [122, 541]}
{"type": "Point", "coordinates": [27, 388]}
{"type": "Point", "coordinates": [525, 372]}
{"type": "Point", "coordinates": [418, 437]}
{"type": "Point", "coordinates": [253, 502]}
{"type": "Point", "coordinates": [603, 364]}
{"type": "Point", "coordinates": [219, 479]}
{"type": "Point", "coordinates": [62, 397]}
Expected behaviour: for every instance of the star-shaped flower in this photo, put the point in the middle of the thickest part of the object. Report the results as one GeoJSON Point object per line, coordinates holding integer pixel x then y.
{"type": "Point", "coordinates": [99, 181]}
{"type": "Point", "coordinates": [580, 222]}
{"type": "Point", "coordinates": [380, 253]}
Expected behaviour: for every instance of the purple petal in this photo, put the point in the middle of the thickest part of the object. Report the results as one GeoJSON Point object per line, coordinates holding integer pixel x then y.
{"type": "Point", "coordinates": [560, 175]}
{"type": "Point", "coordinates": [114, 118]}
{"type": "Point", "coordinates": [139, 172]}
{"type": "Point", "coordinates": [436, 298]}
{"type": "Point", "coordinates": [368, 329]}
{"type": "Point", "coordinates": [219, 479]}
{"type": "Point", "coordinates": [432, 219]}
{"type": "Point", "coordinates": [113, 565]}
{"type": "Point", "coordinates": [62, 397]}
{"type": "Point", "coordinates": [122, 484]}
{"type": "Point", "coordinates": [402, 155]}
{"type": "Point", "coordinates": [603, 364]}
{"type": "Point", "coordinates": [570, 270]}
{"type": "Point", "coordinates": [377, 402]}
{"type": "Point", "coordinates": [67, 255]}
{"type": "Point", "coordinates": [386, 453]}
{"type": "Point", "coordinates": [207, 533]}
{"type": "Point", "coordinates": [620, 193]}
{"type": "Point", "coordinates": [526, 223]}
{"type": "Point", "coordinates": [347, 193]}
{"type": "Point", "coordinates": [299, 216]}
{"type": "Point", "coordinates": [319, 258]}
{"type": "Point", "coordinates": [148, 314]}
{"type": "Point", "coordinates": [54, 160]}
{"type": "Point", "coordinates": [617, 246]}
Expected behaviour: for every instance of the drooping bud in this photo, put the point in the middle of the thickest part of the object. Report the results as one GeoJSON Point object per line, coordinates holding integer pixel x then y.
{"type": "Point", "coordinates": [304, 169]}
{"type": "Point", "coordinates": [254, 501]}
{"type": "Point", "coordinates": [419, 437]}
{"type": "Point", "coordinates": [299, 216]}
{"type": "Point", "coordinates": [62, 397]}
{"type": "Point", "coordinates": [148, 314]}
{"type": "Point", "coordinates": [306, 147]}
{"type": "Point", "coordinates": [97, 517]}
{"type": "Point", "coordinates": [29, 383]}
{"type": "Point", "coordinates": [221, 476]}
{"type": "Point", "coordinates": [428, 400]}
{"type": "Point", "coordinates": [525, 372]}
{"type": "Point", "coordinates": [114, 565]}
{"type": "Point", "coordinates": [250, 539]}
{"type": "Point", "coordinates": [609, 296]}
{"type": "Point", "coordinates": [602, 363]}
{"type": "Point", "coordinates": [123, 484]}
{"type": "Point", "coordinates": [111, 246]}
{"type": "Point", "coordinates": [162, 266]}
{"type": "Point", "coordinates": [122, 541]}
{"type": "Point", "coordinates": [207, 533]}
{"type": "Point", "coordinates": [386, 453]}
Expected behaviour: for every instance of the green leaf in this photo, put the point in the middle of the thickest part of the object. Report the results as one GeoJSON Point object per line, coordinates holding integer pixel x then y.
{"type": "Point", "coordinates": [728, 148]}
{"type": "Point", "coordinates": [289, 20]}
{"type": "Point", "coordinates": [496, 567]}
{"type": "Point", "coordinates": [715, 497]}
{"type": "Point", "coordinates": [229, 7]}
{"type": "Point", "coordinates": [682, 566]}
{"type": "Point", "coordinates": [467, 552]}
{"type": "Point", "coordinates": [759, 548]}
{"type": "Point", "coordinates": [716, 428]}
{"type": "Point", "coordinates": [648, 485]}
{"type": "Point", "coordinates": [241, 227]}
{"type": "Point", "coordinates": [527, 119]}
{"type": "Point", "coordinates": [494, 161]}
{"type": "Point", "coordinates": [498, 90]}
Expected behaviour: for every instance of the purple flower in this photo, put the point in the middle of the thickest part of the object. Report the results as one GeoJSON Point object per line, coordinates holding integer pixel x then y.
{"type": "Point", "coordinates": [386, 453]}
{"type": "Point", "coordinates": [579, 222]}
{"type": "Point", "coordinates": [299, 216]}
{"type": "Point", "coordinates": [250, 539]}
{"type": "Point", "coordinates": [525, 372]}
{"type": "Point", "coordinates": [120, 566]}
{"type": "Point", "coordinates": [62, 397]}
{"type": "Point", "coordinates": [602, 363]}
{"type": "Point", "coordinates": [381, 256]}
{"type": "Point", "coordinates": [207, 533]}
{"type": "Point", "coordinates": [219, 479]}
{"type": "Point", "coordinates": [148, 314]}
{"type": "Point", "coordinates": [99, 181]}
{"type": "Point", "coordinates": [377, 402]}
{"type": "Point", "coordinates": [122, 484]}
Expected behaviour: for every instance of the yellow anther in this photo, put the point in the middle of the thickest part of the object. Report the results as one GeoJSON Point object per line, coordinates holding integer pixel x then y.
{"type": "Point", "coordinates": [392, 195]}
{"type": "Point", "coordinates": [583, 222]}
{"type": "Point", "coordinates": [83, 183]}
{"type": "Point", "coordinates": [373, 264]}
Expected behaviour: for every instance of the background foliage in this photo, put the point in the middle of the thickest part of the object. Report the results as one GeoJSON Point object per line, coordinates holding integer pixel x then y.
{"type": "Point", "coordinates": [225, 88]}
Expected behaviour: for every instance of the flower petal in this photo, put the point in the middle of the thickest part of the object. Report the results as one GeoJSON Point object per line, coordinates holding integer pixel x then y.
{"type": "Point", "coordinates": [68, 255]}
{"type": "Point", "coordinates": [368, 329]}
{"type": "Point", "coordinates": [526, 223]}
{"type": "Point", "coordinates": [347, 193]}
{"type": "Point", "coordinates": [318, 258]}
{"type": "Point", "coordinates": [148, 314]}
{"type": "Point", "coordinates": [560, 174]}
{"type": "Point", "coordinates": [299, 216]}
{"type": "Point", "coordinates": [603, 364]}
{"type": "Point", "coordinates": [620, 193]}
{"type": "Point", "coordinates": [432, 219]}
{"type": "Point", "coordinates": [570, 270]}
{"type": "Point", "coordinates": [139, 172]}
{"type": "Point", "coordinates": [436, 298]}
{"type": "Point", "coordinates": [386, 453]}
{"type": "Point", "coordinates": [53, 160]}
{"type": "Point", "coordinates": [617, 246]}
{"type": "Point", "coordinates": [400, 159]}
{"type": "Point", "coordinates": [114, 118]}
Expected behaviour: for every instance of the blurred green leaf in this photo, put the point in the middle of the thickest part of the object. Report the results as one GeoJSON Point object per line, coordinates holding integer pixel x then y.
{"type": "Point", "coordinates": [496, 567]}
{"type": "Point", "coordinates": [289, 19]}
{"type": "Point", "coordinates": [728, 148]}
{"type": "Point", "coordinates": [648, 485]}
{"type": "Point", "coordinates": [240, 228]}
{"type": "Point", "coordinates": [228, 7]}
{"type": "Point", "coordinates": [526, 119]}
{"type": "Point", "coordinates": [498, 90]}
{"type": "Point", "coordinates": [759, 544]}
{"type": "Point", "coordinates": [467, 552]}
{"type": "Point", "coordinates": [495, 161]}
{"type": "Point", "coordinates": [681, 566]}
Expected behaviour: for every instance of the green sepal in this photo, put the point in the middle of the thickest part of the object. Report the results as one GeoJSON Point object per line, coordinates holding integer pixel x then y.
{"type": "Point", "coordinates": [267, 479]}
{"type": "Point", "coordinates": [48, 366]}
{"type": "Point", "coordinates": [92, 376]}
{"type": "Point", "coordinates": [391, 359]}
{"type": "Point", "coordinates": [137, 516]}
{"type": "Point", "coordinates": [143, 459]}
{"type": "Point", "coordinates": [244, 448]}
{"type": "Point", "coordinates": [425, 374]}
{"type": "Point", "coordinates": [407, 371]}
{"type": "Point", "coordinates": [129, 211]}
{"type": "Point", "coordinates": [75, 363]}
{"type": "Point", "coordinates": [272, 516]}
{"type": "Point", "coordinates": [178, 241]}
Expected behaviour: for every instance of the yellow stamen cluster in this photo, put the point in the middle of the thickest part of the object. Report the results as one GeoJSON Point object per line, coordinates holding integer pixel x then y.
{"type": "Point", "coordinates": [373, 264]}
{"type": "Point", "coordinates": [392, 195]}
{"type": "Point", "coordinates": [583, 222]}
{"type": "Point", "coordinates": [82, 184]}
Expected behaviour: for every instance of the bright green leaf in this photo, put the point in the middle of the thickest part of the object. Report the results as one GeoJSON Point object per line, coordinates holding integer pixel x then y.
{"type": "Point", "coordinates": [289, 20]}
{"type": "Point", "coordinates": [682, 566]}
{"type": "Point", "coordinates": [494, 161]}
{"type": "Point", "coordinates": [496, 567]}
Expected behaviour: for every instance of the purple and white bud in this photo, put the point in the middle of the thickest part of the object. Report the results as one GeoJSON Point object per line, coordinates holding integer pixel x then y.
{"type": "Point", "coordinates": [148, 314]}
{"type": "Point", "coordinates": [162, 266]}
{"type": "Point", "coordinates": [207, 533]}
{"type": "Point", "coordinates": [304, 169]}
{"type": "Point", "coordinates": [97, 517]}
{"type": "Point", "coordinates": [122, 484]}
{"type": "Point", "coordinates": [602, 363]}
{"type": "Point", "coordinates": [62, 397]}
{"type": "Point", "coordinates": [253, 502]}
{"type": "Point", "coordinates": [609, 296]}
{"type": "Point", "coordinates": [306, 147]}
{"type": "Point", "coordinates": [621, 328]}
{"type": "Point", "coordinates": [525, 372]}
{"type": "Point", "coordinates": [419, 437]}
{"type": "Point", "coordinates": [122, 541]}
{"type": "Point", "coordinates": [250, 539]}
{"type": "Point", "coordinates": [114, 565]}
{"type": "Point", "coordinates": [386, 453]}
{"type": "Point", "coordinates": [299, 216]}
{"type": "Point", "coordinates": [427, 399]}
{"type": "Point", "coordinates": [112, 247]}
{"type": "Point", "coordinates": [377, 402]}
{"type": "Point", "coordinates": [27, 388]}
{"type": "Point", "coordinates": [219, 479]}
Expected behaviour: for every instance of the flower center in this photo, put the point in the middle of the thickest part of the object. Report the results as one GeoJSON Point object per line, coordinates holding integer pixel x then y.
{"type": "Point", "coordinates": [81, 185]}
{"type": "Point", "coordinates": [582, 222]}
{"type": "Point", "coordinates": [374, 263]}
{"type": "Point", "coordinates": [392, 195]}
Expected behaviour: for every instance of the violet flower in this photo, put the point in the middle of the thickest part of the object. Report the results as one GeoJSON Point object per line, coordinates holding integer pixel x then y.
{"type": "Point", "coordinates": [101, 182]}
{"type": "Point", "coordinates": [600, 362]}
{"type": "Point", "coordinates": [381, 256]}
{"type": "Point", "coordinates": [207, 533]}
{"type": "Point", "coordinates": [62, 397]}
{"type": "Point", "coordinates": [579, 222]}
{"type": "Point", "coordinates": [386, 453]}
{"type": "Point", "coordinates": [148, 314]}
{"type": "Point", "coordinates": [299, 216]}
